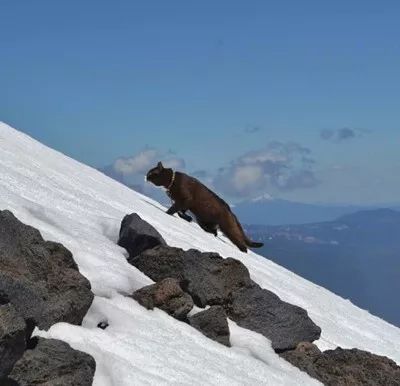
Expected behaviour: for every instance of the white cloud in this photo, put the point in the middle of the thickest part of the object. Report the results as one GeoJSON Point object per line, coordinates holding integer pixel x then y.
{"type": "Point", "coordinates": [278, 166]}
{"type": "Point", "coordinates": [136, 164]}
{"type": "Point", "coordinates": [141, 162]}
{"type": "Point", "coordinates": [247, 177]}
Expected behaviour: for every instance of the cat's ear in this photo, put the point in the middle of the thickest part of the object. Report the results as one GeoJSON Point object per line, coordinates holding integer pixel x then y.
{"type": "Point", "coordinates": [160, 165]}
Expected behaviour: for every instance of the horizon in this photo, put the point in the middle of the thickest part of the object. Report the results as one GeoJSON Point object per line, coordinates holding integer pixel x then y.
{"type": "Point", "coordinates": [152, 192]}
{"type": "Point", "coordinates": [294, 100]}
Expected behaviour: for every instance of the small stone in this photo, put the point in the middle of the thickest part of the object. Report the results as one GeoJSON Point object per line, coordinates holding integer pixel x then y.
{"type": "Point", "coordinates": [166, 295]}
{"type": "Point", "coordinates": [213, 324]}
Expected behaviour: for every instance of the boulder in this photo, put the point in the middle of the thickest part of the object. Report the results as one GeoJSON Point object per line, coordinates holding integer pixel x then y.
{"type": "Point", "coordinates": [40, 278]}
{"type": "Point", "coordinates": [342, 367]}
{"type": "Point", "coordinates": [212, 280]}
{"type": "Point", "coordinates": [54, 362]}
{"type": "Point", "coordinates": [166, 295]}
{"type": "Point", "coordinates": [213, 324]}
{"type": "Point", "coordinates": [12, 338]}
{"type": "Point", "coordinates": [207, 277]}
{"type": "Point", "coordinates": [137, 235]}
{"type": "Point", "coordinates": [264, 312]}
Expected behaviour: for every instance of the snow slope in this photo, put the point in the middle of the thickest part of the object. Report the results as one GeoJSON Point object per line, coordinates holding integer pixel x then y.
{"type": "Point", "coordinates": [78, 206]}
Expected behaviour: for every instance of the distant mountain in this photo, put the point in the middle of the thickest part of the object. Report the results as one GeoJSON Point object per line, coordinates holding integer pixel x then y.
{"type": "Point", "coordinates": [357, 256]}
{"type": "Point", "coordinates": [269, 211]}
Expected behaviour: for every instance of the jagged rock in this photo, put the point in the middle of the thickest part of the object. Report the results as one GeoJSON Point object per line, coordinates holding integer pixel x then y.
{"type": "Point", "coordinates": [54, 362]}
{"type": "Point", "coordinates": [213, 324]}
{"type": "Point", "coordinates": [212, 280]}
{"type": "Point", "coordinates": [40, 278]}
{"type": "Point", "coordinates": [166, 295]}
{"type": "Point", "coordinates": [262, 311]}
{"type": "Point", "coordinates": [342, 367]}
{"type": "Point", "coordinates": [12, 338]}
{"type": "Point", "coordinates": [137, 235]}
{"type": "Point", "coordinates": [207, 277]}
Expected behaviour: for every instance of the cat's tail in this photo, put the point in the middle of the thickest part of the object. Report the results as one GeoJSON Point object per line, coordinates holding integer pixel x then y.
{"type": "Point", "coordinates": [247, 241]}
{"type": "Point", "coordinates": [253, 244]}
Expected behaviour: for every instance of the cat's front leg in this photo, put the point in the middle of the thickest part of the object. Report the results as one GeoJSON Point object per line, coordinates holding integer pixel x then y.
{"type": "Point", "coordinates": [180, 206]}
{"type": "Point", "coordinates": [182, 214]}
{"type": "Point", "coordinates": [172, 210]}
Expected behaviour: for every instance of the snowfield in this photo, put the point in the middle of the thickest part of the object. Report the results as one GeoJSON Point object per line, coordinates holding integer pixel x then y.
{"type": "Point", "coordinates": [80, 207]}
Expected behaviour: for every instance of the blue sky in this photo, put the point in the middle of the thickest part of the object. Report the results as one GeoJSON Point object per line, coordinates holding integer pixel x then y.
{"type": "Point", "coordinates": [241, 91]}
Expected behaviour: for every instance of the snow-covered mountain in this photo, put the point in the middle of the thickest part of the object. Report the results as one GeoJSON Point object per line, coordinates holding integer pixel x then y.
{"type": "Point", "coordinates": [82, 208]}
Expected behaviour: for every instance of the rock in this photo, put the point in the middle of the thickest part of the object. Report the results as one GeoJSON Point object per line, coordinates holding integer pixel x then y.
{"type": "Point", "coordinates": [102, 325]}
{"type": "Point", "coordinates": [12, 338]}
{"type": "Point", "coordinates": [309, 349]}
{"type": "Point", "coordinates": [54, 362]}
{"type": "Point", "coordinates": [262, 311]}
{"type": "Point", "coordinates": [345, 367]}
{"type": "Point", "coordinates": [207, 277]}
{"type": "Point", "coordinates": [136, 235]}
{"type": "Point", "coordinates": [212, 280]}
{"type": "Point", "coordinates": [61, 255]}
{"type": "Point", "coordinates": [213, 324]}
{"type": "Point", "coordinates": [8, 382]}
{"type": "Point", "coordinates": [166, 295]}
{"type": "Point", "coordinates": [303, 357]}
{"type": "Point", "coordinates": [40, 278]}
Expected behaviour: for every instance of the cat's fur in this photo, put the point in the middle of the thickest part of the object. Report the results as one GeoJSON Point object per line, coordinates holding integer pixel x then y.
{"type": "Point", "coordinates": [212, 213]}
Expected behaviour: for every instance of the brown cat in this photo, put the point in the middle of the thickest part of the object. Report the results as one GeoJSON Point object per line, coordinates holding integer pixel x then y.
{"type": "Point", "coordinates": [211, 211]}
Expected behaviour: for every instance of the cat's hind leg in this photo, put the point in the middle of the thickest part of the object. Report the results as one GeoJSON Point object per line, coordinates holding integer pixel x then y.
{"type": "Point", "coordinates": [182, 214]}
{"type": "Point", "coordinates": [208, 227]}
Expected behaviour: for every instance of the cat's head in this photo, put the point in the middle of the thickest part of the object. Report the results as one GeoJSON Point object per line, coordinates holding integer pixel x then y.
{"type": "Point", "coordinates": [159, 175]}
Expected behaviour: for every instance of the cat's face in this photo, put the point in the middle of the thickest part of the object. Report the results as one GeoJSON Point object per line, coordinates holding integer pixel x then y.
{"type": "Point", "coordinates": [156, 175]}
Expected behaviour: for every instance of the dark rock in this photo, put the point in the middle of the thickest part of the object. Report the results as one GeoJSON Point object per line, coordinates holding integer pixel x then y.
{"type": "Point", "coordinates": [103, 325]}
{"type": "Point", "coordinates": [213, 324]}
{"type": "Point", "coordinates": [345, 367]}
{"type": "Point", "coordinates": [4, 299]}
{"type": "Point", "coordinates": [207, 277]}
{"type": "Point", "coordinates": [166, 295]}
{"type": "Point", "coordinates": [61, 255]}
{"type": "Point", "coordinates": [8, 382]}
{"type": "Point", "coordinates": [12, 338]}
{"type": "Point", "coordinates": [32, 342]}
{"type": "Point", "coordinates": [54, 362]}
{"type": "Point", "coordinates": [309, 349]}
{"type": "Point", "coordinates": [212, 280]}
{"type": "Point", "coordinates": [262, 311]}
{"type": "Point", "coordinates": [40, 278]}
{"type": "Point", "coordinates": [136, 235]}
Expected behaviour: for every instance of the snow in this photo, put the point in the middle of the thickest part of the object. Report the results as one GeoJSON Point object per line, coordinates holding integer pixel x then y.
{"type": "Point", "coordinates": [263, 198]}
{"type": "Point", "coordinates": [80, 207]}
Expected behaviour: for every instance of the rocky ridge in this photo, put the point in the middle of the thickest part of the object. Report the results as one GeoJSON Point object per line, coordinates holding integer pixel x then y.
{"type": "Point", "coordinates": [224, 285]}
{"type": "Point", "coordinates": [40, 285]}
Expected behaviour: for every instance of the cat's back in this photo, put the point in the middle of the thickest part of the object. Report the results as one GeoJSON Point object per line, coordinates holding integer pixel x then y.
{"type": "Point", "coordinates": [194, 186]}
{"type": "Point", "coordinates": [204, 196]}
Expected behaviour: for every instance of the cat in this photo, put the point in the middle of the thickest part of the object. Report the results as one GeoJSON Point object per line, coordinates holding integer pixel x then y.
{"type": "Point", "coordinates": [211, 211]}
